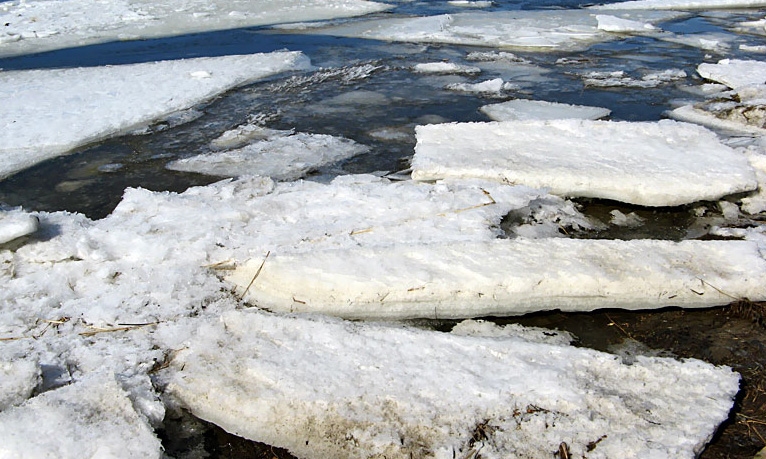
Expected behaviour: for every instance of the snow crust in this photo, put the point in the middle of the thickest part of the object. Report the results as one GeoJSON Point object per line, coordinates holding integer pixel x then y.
{"type": "Point", "coordinates": [523, 109]}
{"type": "Point", "coordinates": [44, 25]}
{"type": "Point", "coordinates": [661, 163]}
{"type": "Point", "coordinates": [502, 277]}
{"type": "Point", "coordinates": [103, 101]}
{"type": "Point", "coordinates": [281, 158]}
{"type": "Point", "coordinates": [539, 30]}
{"type": "Point", "coordinates": [92, 418]}
{"type": "Point", "coordinates": [385, 390]}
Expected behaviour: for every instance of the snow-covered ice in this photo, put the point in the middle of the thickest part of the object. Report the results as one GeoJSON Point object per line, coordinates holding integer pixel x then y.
{"type": "Point", "coordinates": [326, 388]}
{"type": "Point", "coordinates": [559, 30]}
{"type": "Point", "coordinates": [523, 109]}
{"type": "Point", "coordinates": [661, 163]}
{"type": "Point", "coordinates": [502, 277]}
{"type": "Point", "coordinates": [281, 158]}
{"type": "Point", "coordinates": [445, 67]}
{"type": "Point", "coordinates": [44, 25]}
{"type": "Point", "coordinates": [91, 418]}
{"type": "Point", "coordinates": [46, 113]}
{"type": "Point", "coordinates": [735, 73]}
{"type": "Point", "coordinates": [493, 86]}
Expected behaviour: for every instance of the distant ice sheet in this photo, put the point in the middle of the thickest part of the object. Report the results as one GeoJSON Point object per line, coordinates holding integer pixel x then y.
{"type": "Point", "coordinates": [682, 4]}
{"type": "Point", "coordinates": [326, 388]}
{"type": "Point", "coordinates": [661, 163]}
{"type": "Point", "coordinates": [44, 25]}
{"type": "Point", "coordinates": [281, 158]}
{"type": "Point", "coordinates": [46, 113]}
{"type": "Point", "coordinates": [503, 277]}
{"type": "Point", "coordinates": [522, 109]}
{"type": "Point", "coordinates": [540, 30]}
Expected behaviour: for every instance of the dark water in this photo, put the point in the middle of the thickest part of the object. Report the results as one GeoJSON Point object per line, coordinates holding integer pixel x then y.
{"type": "Point", "coordinates": [391, 97]}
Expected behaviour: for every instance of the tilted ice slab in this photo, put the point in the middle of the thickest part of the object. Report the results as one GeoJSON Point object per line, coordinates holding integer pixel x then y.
{"type": "Point", "coordinates": [522, 109]}
{"type": "Point", "coordinates": [735, 73]}
{"type": "Point", "coordinates": [91, 418]}
{"type": "Point", "coordinates": [281, 158]}
{"type": "Point", "coordinates": [541, 30]}
{"type": "Point", "coordinates": [15, 224]}
{"type": "Point", "coordinates": [43, 25]}
{"type": "Point", "coordinates": [324, 388]}
{"type": "Point", "coordinates": [503, 277]}
{"type": "Point", "coordinates": [46, 113]}
{"type": "Point", "coordinates": [682, 4]}
{"type": "Point", "coordinates": [663, 163]}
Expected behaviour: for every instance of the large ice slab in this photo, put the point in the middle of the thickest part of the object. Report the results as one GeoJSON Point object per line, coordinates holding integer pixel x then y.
{"type": "Point", "coordinates": [43, 25]}
{"type": "Point", "coordinates": [90, 418]}
{"type": "Point", "coordinates": [324, 388]}
{"type": "Point", "coordinates": [522, 109]}
{"type": "Point", "coordinates": [503, 277]}
{"type": "Point", "coordinates": [281, 157]}
{"type": "Point", "coordinates": [681, 4]}
{"type": "Point", "coordinates": [540, 30]}
{"type": "Point", "coordinates": [735, 73]}
{"type": "Point", "coordinates": [661, 163]}
{"type": "Point", "coordinates": [46, 113]}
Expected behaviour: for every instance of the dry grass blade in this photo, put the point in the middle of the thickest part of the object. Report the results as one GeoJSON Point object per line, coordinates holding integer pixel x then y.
{"type": "Point", "coordinates": [257, 273]}
{"type": "Point", "coordinates": [124, 327]}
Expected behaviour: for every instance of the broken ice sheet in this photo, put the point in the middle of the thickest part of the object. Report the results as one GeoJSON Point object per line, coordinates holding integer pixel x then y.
{"type": "Point", "coordinates": [663, 163]}
{"type": "Point", "coordinates": [522, 109]}
{"type": "Point", "coordinates": [560, 30]}
{"type": "Point", "coordinates": [387, 390]}
{"type": "Point", "coordinates": [284, 157]}
{"type": "Point", "coordinates": [47, 113]}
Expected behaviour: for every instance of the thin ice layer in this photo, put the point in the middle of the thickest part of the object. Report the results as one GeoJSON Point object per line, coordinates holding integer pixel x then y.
{"type": "Point", "coordinates": [281, 157]}
{"type": "Point", "coordinates": [46, 113]}
{"type": "Point", "coordinates": [503, 277]}
{"type": "Point", "coordinates": [522, 109]}
{"type": "Point", "coordinates": [92, 418]}
{"type": "Point", "coordinates": [663, 163]}
{"type": "Point", "coordinates": [43, 25]}
{"type": "Point", "coordinates": [324, 388]}
{"type": "Point", "coordinates": [549, 30]}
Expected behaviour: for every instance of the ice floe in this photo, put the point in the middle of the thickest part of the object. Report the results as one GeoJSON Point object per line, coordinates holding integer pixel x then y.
{"type": "Point", "coordinates": [43, 25]}
{"type": "Point", "coordinates": [522, 109]}
{"type": "Point", "coordinates": [284, 157]}
{"type": "Point", "coordinates": [619, 78]}
{"type": "Point", "coordinates": [741, 110]}
{"type": "Point", "coordinates": [493, 86]}
{"type": "Point", "coordinates": [15, 224]}
{"type": "Point", "coordinates": [559, 30]}
{"type": "Point", "coordinates": [661, 163]}
{"type": "Point", "coordinates": [326, 388]}
{"type": "Point", "coordinates": [502, 277]}
{"type": "Point", "coordinates": [445, 67]}
{"type": "Point", "coordinates": [47, 113]}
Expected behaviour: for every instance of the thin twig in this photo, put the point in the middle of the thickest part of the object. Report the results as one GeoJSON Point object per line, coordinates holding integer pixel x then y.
{"type": "Point", "coordinates": [257, 273]}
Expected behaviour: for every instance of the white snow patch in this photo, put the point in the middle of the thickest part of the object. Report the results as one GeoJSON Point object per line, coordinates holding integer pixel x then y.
{"type": "Point", "coordinates": [89, 418]}
{"type": "Point", "coordinates": [399, 392]}
{"type": "Point", "coordinates": [522, 109]}
{"type": "Point", "coordinates": [47, 113]}
{"type": "Point", "coordinates": [18, 378]}
{"type": "Point", "coordinates": [502, 277]}
{"type": "Point", "coordinates": [494, 86]}
{"type": "Point", "coordinates": [661, 163]}
{"type": "Point", "coordinates": [281, 158]}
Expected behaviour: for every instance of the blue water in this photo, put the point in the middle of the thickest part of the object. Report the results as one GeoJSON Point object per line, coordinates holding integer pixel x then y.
{"type": "Point", "coordinates": [92, 179]}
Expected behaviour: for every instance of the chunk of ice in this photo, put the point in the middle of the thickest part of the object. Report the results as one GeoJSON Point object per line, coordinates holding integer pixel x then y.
{"type": "Point", "coordinates": [663, 163]}
{"type": "Point", "coordinates": [522, 109]}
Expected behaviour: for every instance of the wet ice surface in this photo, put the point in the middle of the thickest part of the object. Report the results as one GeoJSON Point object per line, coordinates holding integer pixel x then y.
{"type": "Point", "coordinates": [125, 294]}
